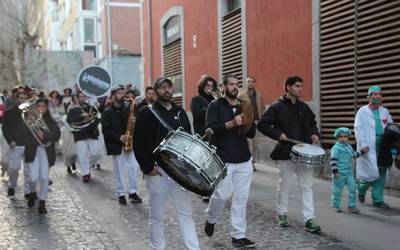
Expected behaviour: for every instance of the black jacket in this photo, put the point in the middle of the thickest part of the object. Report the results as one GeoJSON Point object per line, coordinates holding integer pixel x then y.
{"type": "Point", "coordinates": [51, 136]}
{"type": "Point", "coordinates": [297, 121]}
{"type": "Point", "coordinates": [390, 139]}
{"type": "Point", "coordinates": [198, 106]}
{"type": "Point", "coordinates": [114, 121]}
{"type": "Point", "coordinates": [141, 104]}
{"type": "Point", "coordinates": [14, 128]}
{"type": "Point", "coordinates": [90, 132]}
{"type": "Point", "coordinates": [231, 147]}
{"type": "Point", "coordinates": [149, 132]}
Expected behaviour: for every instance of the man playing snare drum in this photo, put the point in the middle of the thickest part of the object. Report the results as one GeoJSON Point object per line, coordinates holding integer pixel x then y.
{"type": "Point", "coordinates": [291, 118]}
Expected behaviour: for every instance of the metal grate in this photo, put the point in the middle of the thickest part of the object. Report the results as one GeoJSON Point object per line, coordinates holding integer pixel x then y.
{"type": "Point", "coordinates": [172, 62]}
{"type": "Point", "coordinates": [232, 45]}
{"type": "Point", "coordinates": [360, 47]}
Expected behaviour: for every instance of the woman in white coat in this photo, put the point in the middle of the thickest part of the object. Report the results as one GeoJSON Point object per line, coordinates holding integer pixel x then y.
{"type": "Point", "coordinates": [369, 125]}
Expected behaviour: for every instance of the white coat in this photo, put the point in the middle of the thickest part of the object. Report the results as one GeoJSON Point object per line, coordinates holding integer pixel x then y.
{"type": "Point", "coordinates": [364, 129]}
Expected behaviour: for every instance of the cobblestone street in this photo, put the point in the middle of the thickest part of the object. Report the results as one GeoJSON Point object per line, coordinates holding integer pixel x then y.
{"type": "Point", "coordinates": [88, 216]}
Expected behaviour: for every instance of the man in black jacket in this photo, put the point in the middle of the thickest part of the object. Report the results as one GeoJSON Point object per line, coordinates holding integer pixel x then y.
{"type": "Point", "coordinates": [291, 118]}
{"type": "Point", "coordinates": [233, 148]}
{"type": "Point", "coordinates": [87, 143]}
{"type": "Point", "coordinates": [15, 132]}
{"type": "Point", "coordinates": [199, 104]}
{"type": "Point", "coordinates": [150, 97]}
{"type": "Point", "coordinates": [114, 123]}
{"type": "Point", "coordinates": [149, 132]}
{"type": "Point", "coordinates": [39, 158]}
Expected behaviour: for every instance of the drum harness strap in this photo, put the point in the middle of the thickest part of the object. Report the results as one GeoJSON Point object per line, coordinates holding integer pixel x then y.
{"type": "Point", "coordinates": [159, 118]}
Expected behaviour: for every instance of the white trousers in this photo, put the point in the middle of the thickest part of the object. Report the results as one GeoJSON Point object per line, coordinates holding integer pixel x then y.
{"type": "Point", "coordinates": [39, 172]}
{"type": "Point", "coordinates": [305, 178]}
{"type": "Point", "coordinates": [125, 161]}
{"type": "Point", "coordinates": [236, 184]}
{"type": "Point", "coordinates": [88, 152]}
{"type": "Point", "coordinates": [15, 160]}
{"type": "Point", "coordinates": [160, 189]}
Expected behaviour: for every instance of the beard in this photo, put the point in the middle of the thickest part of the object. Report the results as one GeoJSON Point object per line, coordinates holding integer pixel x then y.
{"type": "Point", "coordinates": [232, 94]}
{"type": "Point", "coordinates": [166, 97]}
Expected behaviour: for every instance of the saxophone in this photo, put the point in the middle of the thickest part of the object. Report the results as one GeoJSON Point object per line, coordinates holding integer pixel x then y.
{"type": "Point", "coordinates": [128, 145]}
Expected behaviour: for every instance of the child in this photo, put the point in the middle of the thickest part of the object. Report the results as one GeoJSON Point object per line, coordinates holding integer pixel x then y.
{"type": "Point", "coordinates": [342, 155]}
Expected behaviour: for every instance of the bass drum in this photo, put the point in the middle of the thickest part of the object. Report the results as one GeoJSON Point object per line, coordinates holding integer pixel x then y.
{"type": "Point", "coordinates": [190, 162]}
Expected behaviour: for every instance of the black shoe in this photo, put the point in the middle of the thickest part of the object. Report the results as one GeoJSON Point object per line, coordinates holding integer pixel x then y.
{"type": "Point", "coordinates": [11, 192]}
{"type": "Point", "coordinates": [312, 227]}
{"type": "Point", "coordinates": [31, 199]}
{"type": "Point", "coordinates": [73, 166]}
{"type": "Point", "coordinates": [135, 198]}
{"type": "Point", "coordinates": [42, 207]}
{"type": "Point", "coordinates": [69, 170]}
{"type": "Point", "coordinates": [361, 198]}
{"type": "Point", "coordinates": [205, 199]}
{"type": "Point", "coordinates": [98, 166]}
{"type": "Point", "coordinates": [243, 242]}
{"type": "Point", "coordinates": [381, 205]}
{"type": "Point", "coordinates": [122, 200]}
{"type": "Point", "coordinates": [50, 182]}
{"type": "Point", "coordinates": [209, 229]}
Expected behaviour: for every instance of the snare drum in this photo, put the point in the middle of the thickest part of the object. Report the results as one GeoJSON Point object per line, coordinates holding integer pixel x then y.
{"type": "Point", "coordinates": [307, 155]}
{"type": "Point", "coordinates": [191, 162]}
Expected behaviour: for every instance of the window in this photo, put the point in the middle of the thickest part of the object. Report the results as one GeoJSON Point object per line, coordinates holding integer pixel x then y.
{"type": "Point", "coordinates": [233, 5]}
{"type": "Point", "coordinates": [89, 31]}
{"type": "Point", "coordinates": [89, 5]}
{"type": "Point", "coordinates": [90, 48]}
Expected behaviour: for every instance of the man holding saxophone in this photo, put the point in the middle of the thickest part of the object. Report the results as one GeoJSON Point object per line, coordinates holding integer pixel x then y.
{"type": "Point", "coordinates": [117, 127]}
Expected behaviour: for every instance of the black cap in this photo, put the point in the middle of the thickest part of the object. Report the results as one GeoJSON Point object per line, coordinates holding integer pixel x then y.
{"type": "Point", "coordinates": [119, 87]}
{"type": "Point", "coordinates": [160, 81]}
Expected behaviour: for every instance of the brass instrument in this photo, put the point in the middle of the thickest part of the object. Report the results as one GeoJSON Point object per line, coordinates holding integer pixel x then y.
{"type": "Point", "coordinates": [84, 121]}
{"type": "Point", "coordinates": [33, 120]}
{"type": "Point", "coordinates": [128, 144]}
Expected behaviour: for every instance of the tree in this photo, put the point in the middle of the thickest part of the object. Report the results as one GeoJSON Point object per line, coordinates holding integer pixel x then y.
{"type": "Point", "coordinates": [20, 24]}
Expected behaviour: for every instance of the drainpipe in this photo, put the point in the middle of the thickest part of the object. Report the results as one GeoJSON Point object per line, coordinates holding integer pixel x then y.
{"type": "Point", "coordinates": [109, 38]}
{"type": "Point", "coordinates": [149, 39]}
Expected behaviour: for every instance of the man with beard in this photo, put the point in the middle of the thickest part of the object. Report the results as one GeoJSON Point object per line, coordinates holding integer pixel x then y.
{"type": "Point", "coordinates": [149, 132]}
{"type": "Point", "coordinates": [200, 103]}
{"type": "Point", "coordinates": [87, 143]}
{"type": "Point", "coordinates": [234, 150]}
{"type": "Point", "coordinates": [291, 118]}
{"type": "Point", "coordinates": [150, 97]}
{"type": "Point", "coordinates": [114, 123]}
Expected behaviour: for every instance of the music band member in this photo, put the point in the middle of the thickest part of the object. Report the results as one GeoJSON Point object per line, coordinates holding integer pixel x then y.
{"type": "Point", "coordinates": [369, 125]}
{"type": "Point", "coordinates": [234, 150]}
{"type": "Point", "coordinates": [149, 132]}
{"type": "Point", "coordinates": [150, 98]}
{"type": "Point", "coordinates": [15, 132]}
{"type": "Point", "coordinates": [114, 125]}
{"type": "Point", "coordinates": [39, 158]}
{"type": "Point", "coordinates": [257, 103]}
{"type": "Point", "coordinates": [87, 143]}
{"type": "Point", "coordinates": [291, 118]}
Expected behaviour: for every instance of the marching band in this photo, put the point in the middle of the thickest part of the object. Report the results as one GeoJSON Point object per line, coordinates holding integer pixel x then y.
{"type": "Point", "coordinates": [156, 137]}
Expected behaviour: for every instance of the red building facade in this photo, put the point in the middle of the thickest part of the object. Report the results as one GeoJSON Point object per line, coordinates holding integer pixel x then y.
{"type": "Point", "coordinates": [270, 40]}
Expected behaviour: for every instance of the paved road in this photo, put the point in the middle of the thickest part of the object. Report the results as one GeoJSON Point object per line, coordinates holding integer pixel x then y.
{"type": "Point", "coordinates": [88, 216]}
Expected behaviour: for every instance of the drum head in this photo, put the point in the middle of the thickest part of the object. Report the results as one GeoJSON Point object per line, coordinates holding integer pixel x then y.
{"type": "Point", "coordinates": [184, 173]}
{"type": "Point", "coordinates": [308, 149]}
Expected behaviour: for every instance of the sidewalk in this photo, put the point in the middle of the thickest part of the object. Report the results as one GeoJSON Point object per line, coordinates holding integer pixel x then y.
{"type": "Point", "coordinates": [371, 229]}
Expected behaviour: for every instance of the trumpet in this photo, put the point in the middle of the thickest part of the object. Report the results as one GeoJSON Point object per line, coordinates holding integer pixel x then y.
{"type": "Point", "coordinates": [33, 120]}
